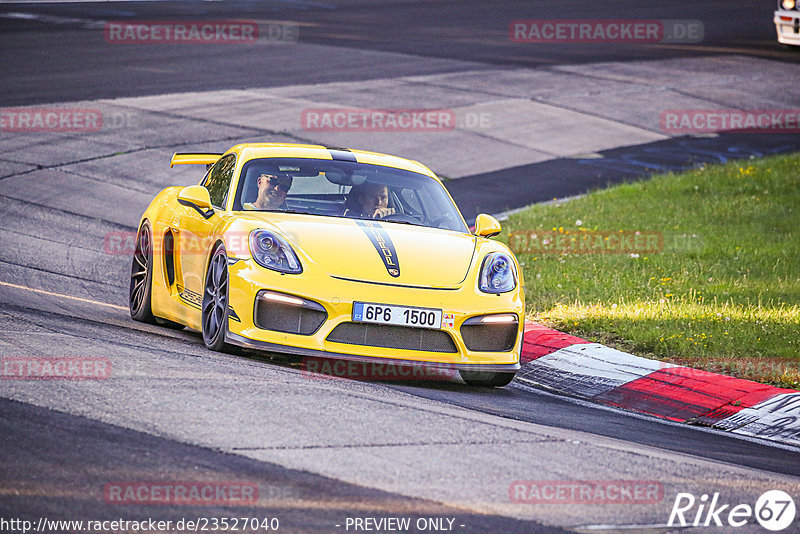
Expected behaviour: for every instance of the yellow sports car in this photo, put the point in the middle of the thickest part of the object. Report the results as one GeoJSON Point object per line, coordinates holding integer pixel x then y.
{"type": "Point", "coordinates": [332, 253]}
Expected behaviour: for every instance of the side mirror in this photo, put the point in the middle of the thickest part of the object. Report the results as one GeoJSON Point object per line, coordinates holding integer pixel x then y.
{"type": "Point", "coordinates": [197, 197]}
{"type": "Point", "coordinates": [487, 226]}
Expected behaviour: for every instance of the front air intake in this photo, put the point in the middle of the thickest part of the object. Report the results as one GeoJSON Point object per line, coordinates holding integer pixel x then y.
{"type": "Point", "coordinates": [490, 333]}
{"type": "Point", "coordinates": [393, 337]}
{"type": "Point", "coordinates": [288, 314]}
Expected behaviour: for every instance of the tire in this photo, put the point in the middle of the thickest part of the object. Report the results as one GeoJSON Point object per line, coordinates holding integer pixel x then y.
{"type": "Point", "coordinates": [485, 379]}
{"type": "Point", "coordinates": [214, 314]}
{"type": "Point", "coordinates": [142, 277]}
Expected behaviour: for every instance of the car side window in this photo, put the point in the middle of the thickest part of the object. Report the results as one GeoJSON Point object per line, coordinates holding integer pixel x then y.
{"type": "Point", "coordinates": [219, 180]}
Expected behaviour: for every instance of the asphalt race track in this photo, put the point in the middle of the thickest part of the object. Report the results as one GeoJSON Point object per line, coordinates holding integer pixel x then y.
{"type": "Point", "coordinates": [320, 451]}
{"type": "Point", "coordinates": [445, 34]}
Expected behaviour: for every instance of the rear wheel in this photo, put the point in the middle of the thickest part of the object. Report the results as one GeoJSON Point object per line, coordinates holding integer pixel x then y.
{"type": "Point", "coordinates": [215, 301]}
{"type": "Point", "coordinates": [142, 276]}
{"type": "Point", "coordinates": [141, 287]}
{"type": "Point", "coordinates": [486, 379]}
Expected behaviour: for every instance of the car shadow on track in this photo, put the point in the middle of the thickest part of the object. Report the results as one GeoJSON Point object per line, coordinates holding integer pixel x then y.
{"type": "Point", "coordinates": [389, 374]}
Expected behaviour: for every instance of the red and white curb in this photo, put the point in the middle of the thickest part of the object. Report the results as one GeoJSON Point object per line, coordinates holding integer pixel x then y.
{"type": "Point", "coordinates": [574, 366]}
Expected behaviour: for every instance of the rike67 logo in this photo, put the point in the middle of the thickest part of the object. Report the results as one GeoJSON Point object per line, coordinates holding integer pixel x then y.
{"type": "Point", "coordinates": [774, 510]}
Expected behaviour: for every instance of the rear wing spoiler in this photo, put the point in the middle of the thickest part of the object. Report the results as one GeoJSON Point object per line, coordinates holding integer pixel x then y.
{"type": "Point", "coordinates": [190, 158]}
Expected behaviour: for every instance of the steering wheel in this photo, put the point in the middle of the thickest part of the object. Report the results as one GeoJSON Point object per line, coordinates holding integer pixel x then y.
{"type": "Point", "coordinates": [400, 217]}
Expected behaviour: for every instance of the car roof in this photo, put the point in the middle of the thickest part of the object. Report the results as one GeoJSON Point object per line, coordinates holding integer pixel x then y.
{"type": "Point", "coordinates": [248, 151]}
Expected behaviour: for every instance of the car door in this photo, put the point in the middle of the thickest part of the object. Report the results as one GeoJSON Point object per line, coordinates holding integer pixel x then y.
{"type": "Point", "coordinates": [197, 232]}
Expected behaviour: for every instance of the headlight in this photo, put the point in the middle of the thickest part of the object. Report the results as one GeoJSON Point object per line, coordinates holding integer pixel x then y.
{"type": "Point", "coordinates": [498, 274]}
{"type": "Point", "coordinates": [787, 4]}
{"type": "Point", "coordinates": [273, 252]}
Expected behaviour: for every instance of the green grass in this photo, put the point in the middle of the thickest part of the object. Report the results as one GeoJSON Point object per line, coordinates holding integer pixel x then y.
{"type": "Point", "coordinates": [722, 295]}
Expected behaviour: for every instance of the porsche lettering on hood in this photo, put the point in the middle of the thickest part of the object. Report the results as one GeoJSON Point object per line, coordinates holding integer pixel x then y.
{"type": "Point", "coordinates": [374, 251]}
{"type": "Point", "coordinates": [383, 244]}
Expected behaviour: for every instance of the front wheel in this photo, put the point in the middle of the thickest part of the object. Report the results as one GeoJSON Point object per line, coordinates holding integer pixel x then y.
{"type": "Point", "coordinates": [215, 301]}
{"type": "Point", "coordinates": [485, 379]}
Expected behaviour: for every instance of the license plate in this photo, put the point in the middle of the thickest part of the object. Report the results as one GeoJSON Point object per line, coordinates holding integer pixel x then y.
{"type": "Point", "coordinates": [367, 312]}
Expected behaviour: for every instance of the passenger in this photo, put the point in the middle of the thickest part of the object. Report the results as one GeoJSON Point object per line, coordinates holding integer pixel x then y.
{"type": "Point", "coordinates": [371, 202]}
{"type": "Point", "coordinates": [272, 191]}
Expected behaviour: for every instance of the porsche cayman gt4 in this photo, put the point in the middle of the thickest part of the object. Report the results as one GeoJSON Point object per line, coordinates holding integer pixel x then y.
{"type": "Point", "coordinates": [331, 253]}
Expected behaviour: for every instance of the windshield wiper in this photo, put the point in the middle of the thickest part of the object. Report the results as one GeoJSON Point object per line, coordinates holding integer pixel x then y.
{"type": "Point", "coordinates": [418, 223]}
{"type": "Point", "coordinates": [289, 211]}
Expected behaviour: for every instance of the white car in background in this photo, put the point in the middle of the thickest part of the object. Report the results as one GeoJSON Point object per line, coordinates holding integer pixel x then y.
{"type": "Point", "coordinates": [787, 22]}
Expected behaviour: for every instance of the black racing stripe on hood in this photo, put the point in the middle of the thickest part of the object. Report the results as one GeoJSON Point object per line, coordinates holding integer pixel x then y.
{"type": "Point", "coordinates": [383, 244]}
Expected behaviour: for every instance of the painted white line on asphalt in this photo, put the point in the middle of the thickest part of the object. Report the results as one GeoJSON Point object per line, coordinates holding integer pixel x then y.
{"type": "Point", "coordinates": [503, 216]}
{"type": "Point", "coordinates": [61, 295]}
{"type": "Point", "coordinates": [615, 528]}
{"type": "Point", "coordinates": [54, 19]}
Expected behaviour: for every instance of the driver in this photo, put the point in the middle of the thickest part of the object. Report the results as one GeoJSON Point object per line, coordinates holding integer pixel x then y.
{"type": "Point", "coordinates": [272, 191]}
{"type": "Point", "coordinates": [372, 202]}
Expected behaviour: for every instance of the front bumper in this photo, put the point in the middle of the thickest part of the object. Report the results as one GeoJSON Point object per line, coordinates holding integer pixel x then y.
{"type": "Point", "coordinates": [241, 341]}
{"type": "Point", "coordinates": [336, 296]}
{"type": "Point", "coordinates": [787, 24]}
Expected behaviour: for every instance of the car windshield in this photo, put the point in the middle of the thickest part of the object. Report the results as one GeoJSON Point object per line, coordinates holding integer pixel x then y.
{"type": "Point", "coordinates": [354, 190]}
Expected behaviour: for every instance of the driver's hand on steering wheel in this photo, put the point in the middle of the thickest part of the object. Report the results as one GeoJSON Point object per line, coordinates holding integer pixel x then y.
{"type": "Point", "coordinates": [380, 213]}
